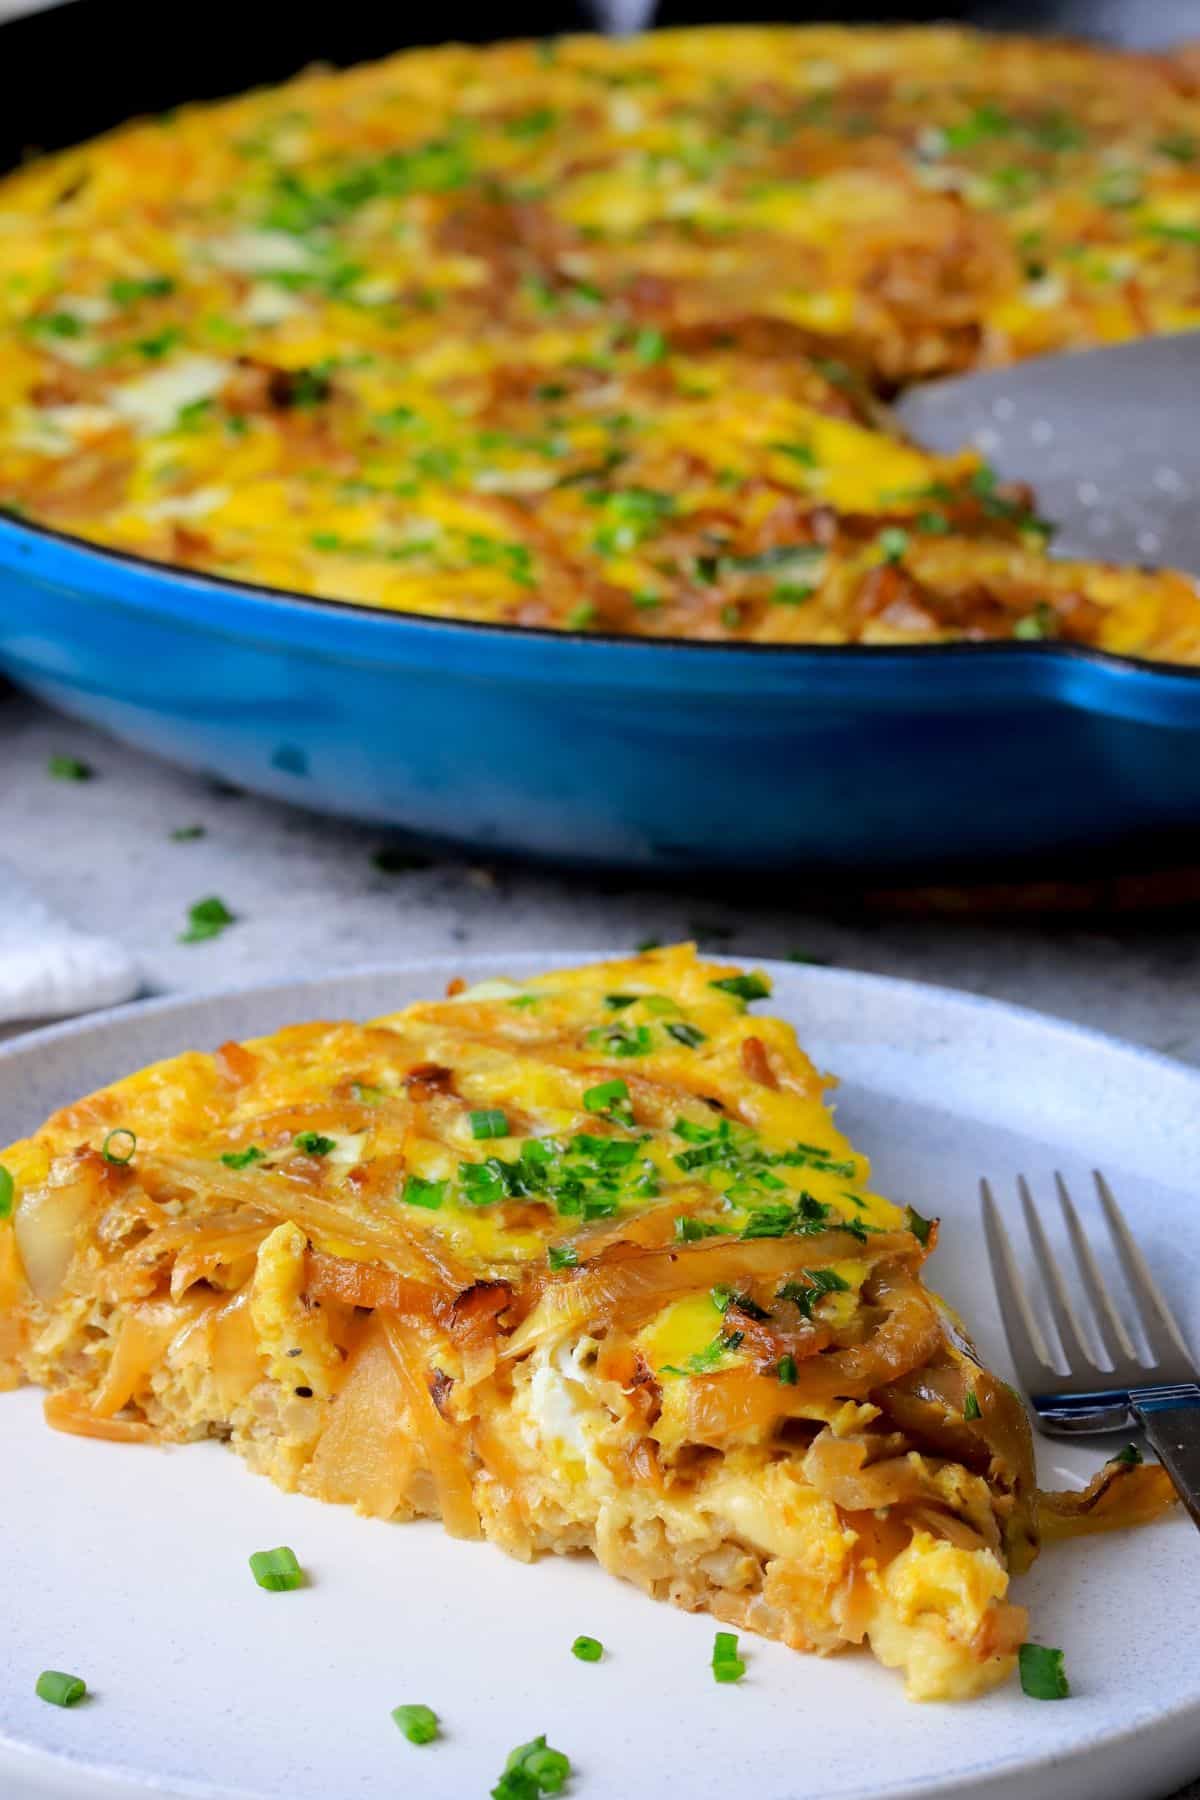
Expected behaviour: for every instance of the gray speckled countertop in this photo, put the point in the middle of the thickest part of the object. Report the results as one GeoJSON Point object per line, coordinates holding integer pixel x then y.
{"type": "Point", "coordinates": [307, 898]}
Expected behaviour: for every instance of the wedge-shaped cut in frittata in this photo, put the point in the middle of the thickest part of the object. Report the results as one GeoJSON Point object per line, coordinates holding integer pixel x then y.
{"type": "Point", "coordinates": [581, 1263]}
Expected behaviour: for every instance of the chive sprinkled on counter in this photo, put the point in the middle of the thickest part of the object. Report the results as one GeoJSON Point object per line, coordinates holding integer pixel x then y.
{"type": "Point", "coordinates": [207, 918]}
{"type": "Point", "coordinates": [587, 1649]}
{"type": "Point", "coordinates": [418, 1723]}
{"type": "Point", "coordinates": [69, 768]}
{"type": "Point", "coordinates": [1043, 1676]}
{"type": "Point", "coordinates": [59, 1689]}
{"type": "Point", "coordinates": [277, 1570]}
{"type": "Point", "coordinates": [727, 1665]}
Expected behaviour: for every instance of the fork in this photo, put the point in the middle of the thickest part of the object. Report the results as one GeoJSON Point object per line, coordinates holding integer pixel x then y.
{"type": "Point", "coordinates": [1083, 1398]}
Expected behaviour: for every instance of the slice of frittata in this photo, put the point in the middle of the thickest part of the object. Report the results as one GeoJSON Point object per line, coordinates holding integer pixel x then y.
{"type": "Point", "coordinates": [577, 1263]}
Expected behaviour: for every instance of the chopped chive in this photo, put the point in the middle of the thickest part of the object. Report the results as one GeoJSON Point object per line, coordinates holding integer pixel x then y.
{"type": "Point", "coordinates": [187, 834]}
{"type": "Point", "coordinates": [971, 1405]}
{"type": "Point", "coordinates": [1130, 1455]}
{"type": "Point", "coordinates": [690, 1231]}
{"type": "Point", "coordinates": [684, 1034]}
{"type": "Point", "coordinates": [60, 1689]}
{"type": "Point", "coordinates": [587, 1649]}
{"type": "Point", "coordinates": [313, 1143]}
{"type": "Point", "coordinates": [618, 1002]}
{"type": "Point", "coordinates": [424, 1193]}
{"type": "Point", "coordinates": [1043, 1676]}
{"type": "Point", "coordinates": [532, 1769]}
{"type": "Point", "coordinates": [605, 1095]}
{"type": "Point", "coordinates": [418, 1723]}
{"type": "Point", "coordinates": [7, 1191]}
{"type": "Point", "coordinates": [206, 919]}
{"type": "Point", "coordinates": [489, 1122]}
{"type": "Point", "coordinates": [727, 1665]}
{"type": "Point", "coordinates": [562, 1256]}
{"type": "Point", "coordinates": [621, 1040]}
{"type": "Point", "coordinates": [893, 543]}
{"type": "Point", "coordinates": [650, 346]}
{"type": "Point", "coordinates": [649, 943]}
{"type": "Point", "coordinates": [119, 1146]}
{"type": "Point", "coordinates": [744, 987]}
{"type": "Point", "coordinates": [241, 1159]}
{"type": "Point", "coordinates": [785, 1369]}
{"type": "Point", "coordinates": [69, 768]}
{"type": "Point", "coordinates": [277, 1570]}
{"type": "Point", "coordinates": [919, 1227]}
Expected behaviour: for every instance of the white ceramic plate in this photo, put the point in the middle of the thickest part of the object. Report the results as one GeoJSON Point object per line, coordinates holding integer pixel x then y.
{"type": "Point", "coordinates": [128, 1565]}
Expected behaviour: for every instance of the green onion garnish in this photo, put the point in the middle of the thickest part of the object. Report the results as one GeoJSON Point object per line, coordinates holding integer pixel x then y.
{"type": "Point", "coordinates": [488, 1123]}
{"type": "Point", "coordinates": [727, 1665]}
{"type": "Point", "coordinates": [313, 1143]}
{"type": "Point", "coordinates": [562, 1256]}
{"type": "Point", "coordinates": [186, 834]}
{"type": "Point", "coordinates": [1042, 1674]}
{"type": "Point", "coordinates": [618, 1002]}
{"type": "Point", "coordinates": [206, 919]}
{"type": "Point", "coordinates": [241, 1159]}
{"type": "Point", "coordinates": [69, 768]}
{"type": "Point", "coordinates": [786, 1370]}
{"type": "Point", "coordinates": [8, 1188]}
{"type": "Point", "coordinates": [531, 1770]}
{"type": "Point", "coordinates": [60, 1689]}
{"type": "Point", "coordinates": [424, 1193]}
{"type": "Point", "coordinates": [587, 1649]}
{"type": "Point", "coordinates": [418, 1723]}
{"type": "Point", "coordinates": [119, 1146]}
{"type": "Point", "coordinates": [919, 1227]}
{"type": "Point", "coordinates": [277, 1570]}
{"type": "Point", "coordinates": [1130, 1454]}
{"type": "Point", "coordinates": [743, 987]}
{"type": "Point", "coordinates": [971, 1405]}
{"type": "Point", "coordinates": [605, 1096]}
{"type": "Point", "coordinates": [690, 1231]}
{"type": "Point", "coordinates": [684, 1034]}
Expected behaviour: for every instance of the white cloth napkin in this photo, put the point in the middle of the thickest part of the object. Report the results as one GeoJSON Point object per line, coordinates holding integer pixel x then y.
{"type": "Point", "coordinates": [48, 969]}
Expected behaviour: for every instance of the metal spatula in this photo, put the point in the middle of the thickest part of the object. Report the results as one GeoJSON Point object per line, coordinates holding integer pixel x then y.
{"type": "Point", "coordinates": [1109, 440]}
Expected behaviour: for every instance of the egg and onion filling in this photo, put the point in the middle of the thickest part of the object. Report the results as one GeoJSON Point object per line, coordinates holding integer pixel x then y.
{"type": "Point", "coordinates": [579, 1263]}
{"type": "Point", "coordinates": [599, 334]}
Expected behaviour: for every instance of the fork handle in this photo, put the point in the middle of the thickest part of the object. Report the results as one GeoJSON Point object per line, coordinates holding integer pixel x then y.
{"type": "Point", "coordinates": [1170, 1417]}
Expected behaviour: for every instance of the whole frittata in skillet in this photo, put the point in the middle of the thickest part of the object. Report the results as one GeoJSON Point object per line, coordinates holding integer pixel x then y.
{"type": "Point", "coordinates": [593, 334]}
{"type": "Point", "coordinates": [581, 1263]}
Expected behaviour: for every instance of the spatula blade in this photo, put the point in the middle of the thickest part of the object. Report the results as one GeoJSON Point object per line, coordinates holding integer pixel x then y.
{"type": "Point", "coordinates": [1109, 440]}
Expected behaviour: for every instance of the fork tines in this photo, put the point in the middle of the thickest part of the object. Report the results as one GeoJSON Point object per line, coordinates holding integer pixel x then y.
{"type": "Point", "coordinates": [1037, 1367]}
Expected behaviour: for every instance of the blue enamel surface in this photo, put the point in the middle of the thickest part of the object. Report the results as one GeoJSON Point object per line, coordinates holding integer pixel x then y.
{"type": "Point", "coordinates": [585, 749]}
